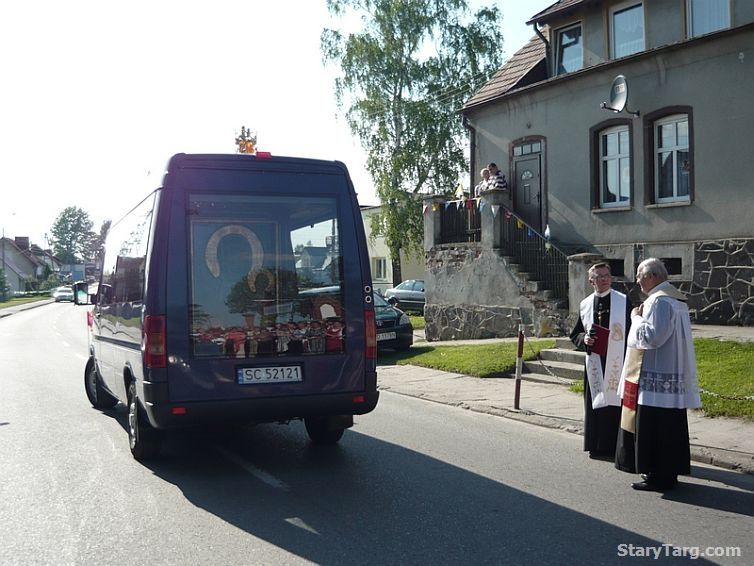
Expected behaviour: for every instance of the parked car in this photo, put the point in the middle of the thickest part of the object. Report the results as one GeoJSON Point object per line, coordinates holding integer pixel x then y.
{"type": "Point", "coordinates": [394, 329]}
{"type": "Point", "coordinates": [408, 296]}
{"type": "Point", "coordinates": [62, 294]}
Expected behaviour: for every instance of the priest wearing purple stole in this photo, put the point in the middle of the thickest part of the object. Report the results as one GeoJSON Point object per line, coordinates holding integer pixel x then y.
{"type": "Point", "coordinates": [658, 384]}
{"type": "Point", "coordinates": [601, 331]}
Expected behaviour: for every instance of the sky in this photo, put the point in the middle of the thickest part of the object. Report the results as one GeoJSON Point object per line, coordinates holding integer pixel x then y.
{"type": "Point", "coordinates": [97, 95]}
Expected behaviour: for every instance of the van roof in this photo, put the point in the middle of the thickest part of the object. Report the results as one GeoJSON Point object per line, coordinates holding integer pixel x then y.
{"type": "Point", "coordinates": [251, 161]}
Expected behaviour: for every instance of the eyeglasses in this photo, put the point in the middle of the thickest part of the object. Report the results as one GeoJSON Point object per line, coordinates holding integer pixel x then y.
{"type": "Point", "coordinates": [643, 275]}
{"type": "Point", "coordinates": [600, 277]}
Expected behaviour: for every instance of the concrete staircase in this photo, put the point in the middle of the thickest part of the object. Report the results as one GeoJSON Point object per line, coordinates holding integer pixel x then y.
{"type": "Point", "coordinates": [533, 288]}
{"type": "Point", "coordinates": [561, 365]}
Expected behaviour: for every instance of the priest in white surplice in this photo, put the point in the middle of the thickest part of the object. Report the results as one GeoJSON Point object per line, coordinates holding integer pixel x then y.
{"type": "Point", "coordinates": [658, 384]}
{"type": "Point", "coordinates": [609, 310]}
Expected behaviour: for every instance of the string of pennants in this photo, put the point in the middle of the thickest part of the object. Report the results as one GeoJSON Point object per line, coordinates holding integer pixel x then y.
{"type": "Point", "coordinates": [471, 204]}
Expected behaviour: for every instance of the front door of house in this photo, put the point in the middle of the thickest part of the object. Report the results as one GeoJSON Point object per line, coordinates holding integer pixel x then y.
{"type": "Point", "coordinates": [527, 201]}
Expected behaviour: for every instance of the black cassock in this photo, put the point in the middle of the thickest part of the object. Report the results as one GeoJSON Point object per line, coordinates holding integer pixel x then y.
{"type": "Point", "coordinates": [600, 425]}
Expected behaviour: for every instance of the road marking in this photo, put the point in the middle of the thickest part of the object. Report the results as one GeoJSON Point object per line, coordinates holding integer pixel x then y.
{"type": "Point", "coordinates": [299, 522]}
{"type": "Point", "coordinates": [269, 479]}
{"type": "Point", "coordinates": [65, 344]}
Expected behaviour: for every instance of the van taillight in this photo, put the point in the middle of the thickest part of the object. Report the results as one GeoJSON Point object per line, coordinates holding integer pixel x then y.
{"type": "Point", "coordinates": [370, 335]}
{"type": "Point", "coordinates": [153, 344]}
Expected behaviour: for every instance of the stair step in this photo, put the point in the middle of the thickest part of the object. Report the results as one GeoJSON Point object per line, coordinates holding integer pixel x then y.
{"type": "Point", "coordinates": [546, 378]}
{"type": "Point", "coordinates": [562, 355]}
{"type": "Point", "coordinates": [565, 370]}
{"type": "Point", "coordinates": [564, 344]}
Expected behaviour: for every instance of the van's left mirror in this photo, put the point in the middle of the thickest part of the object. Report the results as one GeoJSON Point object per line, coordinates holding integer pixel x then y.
{"type": "Point", "coordinates": [81, 293]}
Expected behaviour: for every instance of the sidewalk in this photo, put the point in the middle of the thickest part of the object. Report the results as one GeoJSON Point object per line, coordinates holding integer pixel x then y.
{"type": "Point", "coordinates": [7, 311]}
{"type": "Point", "coordinates": [727, 443]}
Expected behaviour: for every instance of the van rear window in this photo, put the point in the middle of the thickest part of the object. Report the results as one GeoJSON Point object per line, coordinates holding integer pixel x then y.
{"type": "Point", "coordinates": [266, 276]}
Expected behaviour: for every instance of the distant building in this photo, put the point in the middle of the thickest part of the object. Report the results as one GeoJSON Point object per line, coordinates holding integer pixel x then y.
{"type": "Point", "coordinates": [412, 266]}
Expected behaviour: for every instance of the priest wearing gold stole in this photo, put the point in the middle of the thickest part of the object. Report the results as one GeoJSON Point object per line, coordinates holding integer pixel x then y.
{"type": "Point", "coordinates": [601, 331]}
{"type": "Point", "coordinates": [658, 384]}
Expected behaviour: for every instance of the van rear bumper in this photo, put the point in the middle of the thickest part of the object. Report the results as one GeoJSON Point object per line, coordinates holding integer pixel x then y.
{"type": "Point", "coordinates": [165, 415]}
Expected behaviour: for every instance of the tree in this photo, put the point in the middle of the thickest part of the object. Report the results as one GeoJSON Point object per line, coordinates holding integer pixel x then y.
{"type": "Point", "coordinates": [72, 237]}
{"type": "Point", "coordinates": [403, 78]}
{"type": "Point", "coordinates": [98, 243]}
{"type": "Point", "coordinates": [4, 287]}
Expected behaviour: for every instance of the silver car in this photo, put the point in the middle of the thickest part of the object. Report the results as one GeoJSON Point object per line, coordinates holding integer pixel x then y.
{"type": "Point", "coordinates": [408, 296]}
{"type": "Point", "coordinates": [62, 294]}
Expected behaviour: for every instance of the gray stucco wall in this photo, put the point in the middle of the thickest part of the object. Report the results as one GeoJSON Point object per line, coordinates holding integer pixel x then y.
{"type": "Point", "coordinates": [704, 74]}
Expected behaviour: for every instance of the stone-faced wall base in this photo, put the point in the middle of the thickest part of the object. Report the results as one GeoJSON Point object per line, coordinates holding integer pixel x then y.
{"type": "Point", "coordinates": [723, 288]}
{"type": "Point", "coordinates": [473, 322]}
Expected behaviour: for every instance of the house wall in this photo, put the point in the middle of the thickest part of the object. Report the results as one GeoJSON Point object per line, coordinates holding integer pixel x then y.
{"type": "Point", "coordinates": [565, 110]}
{"type": "Point", "coordinates": [711, 237]}
{"type": "Point", "coordinates": [18, 268]}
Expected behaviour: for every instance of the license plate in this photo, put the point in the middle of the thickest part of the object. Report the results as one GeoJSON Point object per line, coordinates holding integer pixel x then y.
{"type": "Point", "coordinates": [269, 374]}
{"type": "Point", "coordinates": [386, 336]}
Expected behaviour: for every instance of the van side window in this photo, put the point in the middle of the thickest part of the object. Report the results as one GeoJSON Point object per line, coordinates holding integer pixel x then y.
{"type": "Point", "coordinates": [266, 276]}
{"type": "Point", "coordinates": [125, 256]}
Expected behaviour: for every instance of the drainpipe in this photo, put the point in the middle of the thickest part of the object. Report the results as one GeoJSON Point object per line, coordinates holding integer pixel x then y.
{"type": "Point", "coordinates": [472, 156]}
{"type": "Point", "coordinates": [548, 54]}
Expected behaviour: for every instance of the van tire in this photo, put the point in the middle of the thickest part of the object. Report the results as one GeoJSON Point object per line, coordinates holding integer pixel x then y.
{"type": "Point", "coordinates": [145, 441]}
{"type": "Point", "coordinates": [95, 392]}
{"type": "Point", "coordinates": [321, 431]}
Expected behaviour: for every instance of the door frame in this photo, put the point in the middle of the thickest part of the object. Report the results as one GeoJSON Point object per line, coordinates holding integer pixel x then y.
{"type": "Point", "coordinates": [514, 159]}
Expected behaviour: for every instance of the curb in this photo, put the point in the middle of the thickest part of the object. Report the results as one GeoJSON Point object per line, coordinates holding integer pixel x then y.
{"type": "Point", "coordinates": [718, 457]}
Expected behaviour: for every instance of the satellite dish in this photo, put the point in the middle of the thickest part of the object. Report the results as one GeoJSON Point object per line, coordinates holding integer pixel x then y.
{"type": "Point", "coordinates": [618, 96]}
{"type": "Point", "coordinates": [618, 93]}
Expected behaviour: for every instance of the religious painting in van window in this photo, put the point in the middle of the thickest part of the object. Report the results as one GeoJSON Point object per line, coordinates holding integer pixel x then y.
{"type": "Point", "coordinates": [236, 282]}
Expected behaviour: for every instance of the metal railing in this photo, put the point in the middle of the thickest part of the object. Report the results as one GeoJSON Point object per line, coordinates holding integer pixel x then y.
{"type": "Point", "coordinates": [460, 222]}
{"type": "Point", "coordinates": [537, 255]}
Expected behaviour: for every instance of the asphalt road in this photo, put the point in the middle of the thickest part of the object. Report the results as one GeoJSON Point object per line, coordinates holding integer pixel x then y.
{"type": "Point", "coordinates": [412, 483]}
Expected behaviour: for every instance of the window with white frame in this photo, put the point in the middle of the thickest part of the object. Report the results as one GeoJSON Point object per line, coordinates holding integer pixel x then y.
{"type": "Point", "coordinates": [626, 29]}
{"type": "Point", "coordinates": [672, 162]}
{"type": "Point", "coordinates": [706, 16]}
{"type": "Point", "coordinates": [615, 167]}
{"type": "Point", "coordinates": [569, 50]}
{"type": "Point", "coordinates": [379, 271]}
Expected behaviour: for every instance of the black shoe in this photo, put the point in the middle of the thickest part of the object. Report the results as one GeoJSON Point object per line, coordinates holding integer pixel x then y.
{"type": "Point", "coordinates": [649, 485]}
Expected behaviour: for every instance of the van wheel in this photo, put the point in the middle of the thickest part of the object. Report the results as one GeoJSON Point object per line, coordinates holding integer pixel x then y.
{"type": "Point", "coordinates": [145, 441]}
{"type": "Point", "coordinates": [321, 432]}
{"type": "Point", "coordinates": [97, 395]}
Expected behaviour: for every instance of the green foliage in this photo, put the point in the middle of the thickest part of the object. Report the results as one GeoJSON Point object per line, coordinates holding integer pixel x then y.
{"type": "Point", "coordinates": [51, 282]}
{"type": "Point", "coordinates": [403, 77]}
{"type": "Point", "coordinates": [725, 368]}
{"type": "Point", "coordinates": [4, 286]}
{"type": "Point", "coordinates": [416, 321]}
{"type": "Point", "coordinates": [72, 239]}
{"type": "Point", "coordinates": [483, 360]}
{"type": "Point", "coordinates": [15, 301]}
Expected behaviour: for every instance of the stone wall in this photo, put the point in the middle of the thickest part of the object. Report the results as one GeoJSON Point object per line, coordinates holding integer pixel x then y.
{"type": "Point", "coordinates": [723, 288]}
{"type": "Point", "coordinates": [473, 292]}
